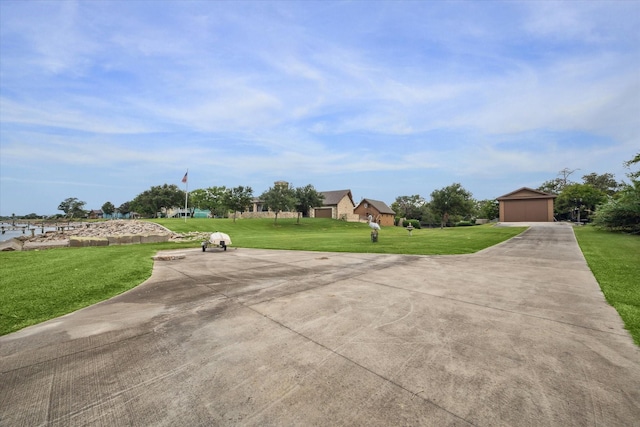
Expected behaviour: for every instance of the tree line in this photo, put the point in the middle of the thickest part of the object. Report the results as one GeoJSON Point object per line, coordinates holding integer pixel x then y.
{"type": "Point", "coordinates": [598, 198]}
{"type": "Point", "coordinates": [219, 201]}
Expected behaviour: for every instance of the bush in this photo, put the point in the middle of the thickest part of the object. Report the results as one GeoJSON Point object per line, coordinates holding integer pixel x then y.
{"type": "Point", "coordinates": [414, 223]}
{"type": "Point", "coordinates": [464, 223]}
{"type": "Point", "coordinates": [623, 213]}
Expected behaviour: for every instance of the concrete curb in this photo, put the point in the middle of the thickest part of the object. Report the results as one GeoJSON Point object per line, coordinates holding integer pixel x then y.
{"type": "Point", "coordinates": [82, 242]}
{"type": "Point", "coordinates": [11, 245]}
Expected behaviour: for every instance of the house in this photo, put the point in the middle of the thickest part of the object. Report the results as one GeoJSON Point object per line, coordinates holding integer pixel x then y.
{"type": "Point", "coordinates": [95, 214]}
{"type": "Point", "coordinates": [201, 213]}
{"type": "Point", "coordinates": [190, 213]}
{"type": "Point", "coordinates": [526, 205]}
{"type": "Point", "coordinates": [379, 211]}
{"type": "Point", "coordinates": [337, 205]}
{"type": "Point", "coordinates": [257, 205]}
{"type": "Point", "coordinates": [120, 215]}
{"type": "Point", "coordinates": [258, 209]}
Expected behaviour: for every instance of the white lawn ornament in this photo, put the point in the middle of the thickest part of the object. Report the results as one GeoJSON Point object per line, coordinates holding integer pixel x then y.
{"type": "Point", "coordinates": [374, 229]}
{"type": "Point", "coordinates": [373, 225]}
{"type": "Point", "coordinates": [218, 239]}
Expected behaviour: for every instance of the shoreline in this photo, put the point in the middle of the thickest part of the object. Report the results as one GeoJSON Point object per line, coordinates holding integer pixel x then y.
{"type": "Point", "coordinates": [97, 233]}
{"type": "Point", "coordinates": [33, 228]}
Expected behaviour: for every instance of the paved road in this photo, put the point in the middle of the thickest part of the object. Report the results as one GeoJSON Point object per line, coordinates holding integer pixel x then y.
{"type": "Point", "coordinates": [516, 335]}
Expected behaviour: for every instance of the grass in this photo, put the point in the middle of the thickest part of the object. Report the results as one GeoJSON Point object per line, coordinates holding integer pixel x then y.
{"type": "Point", "coordinates": [614, 259]}
{"type": "Point", "coordinates": [340, 236]}
{"type": "Point", "coordinates": [39, 285]}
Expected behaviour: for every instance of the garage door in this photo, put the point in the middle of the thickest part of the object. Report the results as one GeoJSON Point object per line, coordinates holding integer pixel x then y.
{"type": "Point", "coordinates": [323, 213]}
{"type": "Point", "coordinates": [525, 210]}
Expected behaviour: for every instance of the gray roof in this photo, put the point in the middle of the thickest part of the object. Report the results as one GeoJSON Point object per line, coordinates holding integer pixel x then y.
{"type": "Point", "coordinates": [379, 206]}
{"type": "Point", "coordinates": [332, 198]}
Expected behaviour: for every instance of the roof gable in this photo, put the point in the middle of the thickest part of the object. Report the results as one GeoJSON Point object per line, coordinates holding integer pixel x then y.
{"type": "Point", "coordinates": [379, 206]}
{"type": "Point", "coordinates": [526, 193]}
{"type": "Point", "coordinates": [332, 198]}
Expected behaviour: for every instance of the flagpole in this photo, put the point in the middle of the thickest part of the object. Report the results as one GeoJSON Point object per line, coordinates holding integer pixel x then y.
{"type": "Point", "coordinates": [186, 195]}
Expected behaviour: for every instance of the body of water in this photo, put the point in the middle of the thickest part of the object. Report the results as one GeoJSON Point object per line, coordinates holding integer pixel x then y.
{"type": "Point", "coordinates": [8, 231]}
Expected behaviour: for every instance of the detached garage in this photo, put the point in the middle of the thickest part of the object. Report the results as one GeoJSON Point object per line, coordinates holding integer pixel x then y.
{"type": "Point", "coordinates": [526, 205]}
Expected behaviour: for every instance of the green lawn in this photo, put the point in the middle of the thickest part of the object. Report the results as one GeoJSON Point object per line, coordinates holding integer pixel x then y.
{"type": "Point", "coordinates": [340, 236]}
{"type": "Point", "coordinates": [40, 285]}
{"type": "Point", "coordinates": [614, 259]}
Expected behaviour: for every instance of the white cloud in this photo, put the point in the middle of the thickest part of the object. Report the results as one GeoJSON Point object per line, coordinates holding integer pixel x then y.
{"type": "Point", "coordinates": [443, 90]}
{"type": "Point", "coordinates": [54, 33]}
{"type": "Point", "coordinates": [83, 115]}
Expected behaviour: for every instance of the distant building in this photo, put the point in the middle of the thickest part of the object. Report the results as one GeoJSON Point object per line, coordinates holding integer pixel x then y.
{"type": "Point", "coordinates": [189, 213]}
{"type": "Point", "coordinates": [118, 215]}
{"type": "Point", "coordinates": [337, 205]}
{"type": "Point", "coordinates": [257, 205]}
{"type": "Point", "coordinates": [379, 211]}
{"type": "Point", "coordinates": [96, 214]}
{"type": "Point", "coordinates": [526, 205]}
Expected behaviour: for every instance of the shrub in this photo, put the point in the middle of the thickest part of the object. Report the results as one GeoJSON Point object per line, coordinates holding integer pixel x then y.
{"type": "Point", "coordinates": [414, 223]}
{"type": "Point", "coordinates": [622, 213]}
{"type": "Point", "coordinates": [464, 223]}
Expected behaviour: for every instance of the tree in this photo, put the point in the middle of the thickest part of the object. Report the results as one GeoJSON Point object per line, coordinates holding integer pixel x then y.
{"type": "Point", "coordinates": [280, 197]}
{"type": "Point", "coordinates": [488, 209]}
{"type": "Point", "coordinates": [427, 215]}
{"type": "Point", "coordinates": [553, 186]}
{"type": "Point", "coordinates": [565, 173]}
{"type": "Point", "coordinates": [151, 201]}
{"type": "Point", "coordinates": [623, 211]}
{"type": "Point", "coordinates": [451, 200]}
{"type": "Point", "coordinates": [211, 199]}
{"type": "Point", "coordinates": [578, 201]}
{"type": "Point", "coordinates": [237, 199]}
{"type": "Point", "coordinates": [124, 208]}
{"type": "Point", "coordinates": [72, 207]}
{"type": "Point", "coordinates": [108, 208]}
{"type": "Point", "coordinates": [605, 182]}
{"type": "Point", "coordinates": [633, 176]}
{"type": "Point", "coordinates": [307, 198]}
{"type": "Point", "coordinates": [409, 207]}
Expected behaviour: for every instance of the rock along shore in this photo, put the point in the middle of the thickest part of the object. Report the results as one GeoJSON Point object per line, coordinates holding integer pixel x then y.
{"type": "Point", "coordinates": [100, 234]}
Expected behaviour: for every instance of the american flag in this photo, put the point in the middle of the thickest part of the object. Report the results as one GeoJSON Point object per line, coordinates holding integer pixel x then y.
{"type": "Point", "coordinates": [184, 178]}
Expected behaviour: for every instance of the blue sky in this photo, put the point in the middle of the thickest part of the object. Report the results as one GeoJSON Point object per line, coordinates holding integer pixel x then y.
{"type": "Point", "coordinates": [100, 100]}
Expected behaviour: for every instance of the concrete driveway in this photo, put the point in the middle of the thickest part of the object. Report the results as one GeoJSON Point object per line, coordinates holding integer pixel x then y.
{"type": "Point", "coordinates": [516, 335]}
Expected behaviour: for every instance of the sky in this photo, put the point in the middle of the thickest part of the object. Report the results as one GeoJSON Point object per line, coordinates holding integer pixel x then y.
{"type": "Point", "coordinates": [101, 100]}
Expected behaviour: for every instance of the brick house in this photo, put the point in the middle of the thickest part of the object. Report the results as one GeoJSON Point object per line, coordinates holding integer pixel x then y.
{"type": "Point", "coordinates": [380, 212]}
